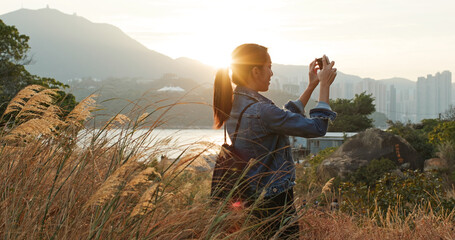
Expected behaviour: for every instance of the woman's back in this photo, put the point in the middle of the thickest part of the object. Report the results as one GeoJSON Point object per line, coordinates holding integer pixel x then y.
{"type": "Point", "coordinates": [270, 152]}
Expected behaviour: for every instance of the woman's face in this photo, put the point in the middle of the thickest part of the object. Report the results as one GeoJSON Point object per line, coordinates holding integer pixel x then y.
{"type": "Point", "coordinates": [264, 76]}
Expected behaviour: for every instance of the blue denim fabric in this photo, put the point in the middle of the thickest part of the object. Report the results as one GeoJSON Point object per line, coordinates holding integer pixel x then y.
{"type": "Point", "coordinates": [263, 137]}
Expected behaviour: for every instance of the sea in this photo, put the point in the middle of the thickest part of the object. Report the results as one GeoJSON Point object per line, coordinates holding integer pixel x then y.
{"type": "Point", "coordinates": [168, 143]}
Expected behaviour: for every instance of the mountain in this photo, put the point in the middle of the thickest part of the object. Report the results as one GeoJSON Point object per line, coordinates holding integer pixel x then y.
{"type": "Point", "coordinates": [399, 83]}
{"type": "Point", "coordinates": [67, 46]}
{"type": "Point", "coordinates": [190, 68]}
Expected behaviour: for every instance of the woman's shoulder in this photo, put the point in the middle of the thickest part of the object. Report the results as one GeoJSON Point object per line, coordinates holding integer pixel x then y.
{"type": "Point", "coordinates": [246, 93]}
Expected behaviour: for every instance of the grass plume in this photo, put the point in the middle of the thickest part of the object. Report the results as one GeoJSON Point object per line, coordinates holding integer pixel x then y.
{"type": "Point", "coordinates": [111, 184]}
{"type": "Point", "coordinates": [21, 98]}
{"type": "Point", "coordinates": [81, 112]}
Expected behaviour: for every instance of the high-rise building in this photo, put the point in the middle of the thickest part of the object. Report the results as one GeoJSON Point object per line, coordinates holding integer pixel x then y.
{"type": "Point", "coordinates": [453, 94]}
{"type": "Point", "coordinates": [392, 104]}
{"type": "Point", "coordinates": [434, 94]}
{"type": "Point", "coordinates": [342, 90]}
{"type": "Point", "coordinates": [406, 105]}
{"type": "Point", "coordinates": [292, 88]}
{"type": "Point", "coordinates": [378, 90]}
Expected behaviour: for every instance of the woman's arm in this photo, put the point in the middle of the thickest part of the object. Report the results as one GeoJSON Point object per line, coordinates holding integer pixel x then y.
{"type": "Point", "coordinates": [285, 122]}
{"type": "Point", "coordinates": [313, 83]}
{"type": "Point", "coordinates": [326, 77]}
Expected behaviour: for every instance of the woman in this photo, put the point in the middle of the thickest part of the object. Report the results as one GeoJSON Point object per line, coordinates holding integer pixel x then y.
{"type": "Point", "coordinates": [263, 131]}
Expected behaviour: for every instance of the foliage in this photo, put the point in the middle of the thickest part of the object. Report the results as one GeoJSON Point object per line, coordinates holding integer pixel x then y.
{"type": "Point", "coordinates": [323, 154]}
{"type": "Point", "coordinates": [395, 191]}
{"type": "Point", "coordinates": [446, 151]}
{"type": "Point", "coordinates": [379, 120]}
{"type": "Point", "coordinates": [307, 179]}
{"type": "Point", "coordinates": [306, 176]}
{"type": "Point", "coordinates": [13, 75]}
{"type": "Point", "coordinates": [192, 108]}
{"type": "Point", "coordinates": [352, 114]}
{"type": "Point", "coordinates": [452, 176]}
{"type": "Point", "coordinates": [317, 160]}
{"type": "Point", "coordinates": [13, 46]}
{"type": "Point", "coordinates": [416, 135]}
{"type": "Point", "coordinates": [370, 173]}
{"type": "Point", "coordinates": [449, 114]}
{"type": "Point", "coordinates": [427, 125]}
{"type": "Point", "coordinates": [443, 132]}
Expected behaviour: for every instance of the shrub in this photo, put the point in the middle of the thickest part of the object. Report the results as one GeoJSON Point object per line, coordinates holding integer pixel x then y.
{"type": "Point", "coordinates": [307, 182]}
{"type": "Point", "coordinates": [316, 160]}
{"type": "Point", "coordinates": [416, 135]}
{"type": "Point", "coordinates": [403, 193]}
{"type": "Point", "coordinates": [446, 151]}
{"type": "Point", "coordinates": [443, 132]}
{"type": "Point", "coordinates": [370, 173]}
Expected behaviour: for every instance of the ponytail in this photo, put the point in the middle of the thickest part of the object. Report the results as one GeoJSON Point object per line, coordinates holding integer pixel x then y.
{"type": "Point", "coordinates": [222, 97]}
{"type": "Point", "coordinates": [244, 58]}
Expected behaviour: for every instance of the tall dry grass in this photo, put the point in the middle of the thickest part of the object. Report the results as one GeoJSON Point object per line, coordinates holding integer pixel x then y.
{"type": "Point", "coordinates": [61, 180]}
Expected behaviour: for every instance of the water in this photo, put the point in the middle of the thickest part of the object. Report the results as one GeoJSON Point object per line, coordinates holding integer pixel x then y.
{"type": "Point", "coordinates": [170, 142]}
{"type": "Point", "coordinates": [196, 140]}
{"type": "Point", "coordinates": [189, 136]}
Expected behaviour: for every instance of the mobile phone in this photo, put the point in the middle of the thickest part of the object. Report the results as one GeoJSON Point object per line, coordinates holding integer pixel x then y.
{"type": "Point", "coordinates": [320, 64]}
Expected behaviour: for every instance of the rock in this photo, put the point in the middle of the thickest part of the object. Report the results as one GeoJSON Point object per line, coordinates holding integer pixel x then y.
{"type": "Point", "coordinates": [397, 172]}
{"type": "Point", "coordinates": [405, 166]}
{"type": "Point", "coordinates": [435, 164]}
{"type": "Point", "coordinates": [371, 144]}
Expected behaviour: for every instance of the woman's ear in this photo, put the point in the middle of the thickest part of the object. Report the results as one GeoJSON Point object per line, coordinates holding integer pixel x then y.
{"type": "Point", "coordinates": [253, 78]}
{"type": "Point", "coordinates": [255, 71]}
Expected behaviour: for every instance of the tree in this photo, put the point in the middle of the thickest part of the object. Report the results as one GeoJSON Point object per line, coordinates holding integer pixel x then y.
{"type": "Point", "coordinates": [449, 114]}
{"type": "Point", "coordinates": [13, 75]}
{"type": "Point", "coordinates": [442, 133]}
{"type": "Point", "coordinates": [416, 135]}
{"type": "Point", "coordinates": [13, 45]}
{"type": "Point", "coordinates": [379, 119]}
{"type": "Point", "coordinates": [352, 114]}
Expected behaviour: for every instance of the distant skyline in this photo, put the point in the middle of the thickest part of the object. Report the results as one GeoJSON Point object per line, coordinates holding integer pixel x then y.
{"type": "Point", "coordinates": [376, 39]}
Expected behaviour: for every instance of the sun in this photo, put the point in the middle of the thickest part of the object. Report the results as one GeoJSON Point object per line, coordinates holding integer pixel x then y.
{"type": "Point", "coordinates": [218, 57]}
{"type": "Point", "coordinates": [218, 62]}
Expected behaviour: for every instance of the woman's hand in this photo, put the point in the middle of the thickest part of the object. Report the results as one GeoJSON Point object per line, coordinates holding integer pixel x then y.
{"type": "Point", "coordinates": [313, 75]}
{"type": "Point", "coordinates": [314, 81]}
{"type": "Point", "coordinates": [327, 75]}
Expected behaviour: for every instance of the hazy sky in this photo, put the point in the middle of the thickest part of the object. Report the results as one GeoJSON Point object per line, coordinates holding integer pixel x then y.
{"type": "Point", "coordinates": [370, 38]}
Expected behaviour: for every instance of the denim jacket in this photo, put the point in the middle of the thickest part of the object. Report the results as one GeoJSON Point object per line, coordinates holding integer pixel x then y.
{"type": "Point", "coordinates": [263, 137]}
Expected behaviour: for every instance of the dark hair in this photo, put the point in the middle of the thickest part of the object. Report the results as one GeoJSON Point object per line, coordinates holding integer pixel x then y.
{"type": "Point", "coordinates": [244, 58]}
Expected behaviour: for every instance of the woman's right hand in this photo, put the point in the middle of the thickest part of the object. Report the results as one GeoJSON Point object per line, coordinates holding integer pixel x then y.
{"type": "Point", "coordinates": [313, 75]}
{"type": "Point", "coordinates": [328, 73]}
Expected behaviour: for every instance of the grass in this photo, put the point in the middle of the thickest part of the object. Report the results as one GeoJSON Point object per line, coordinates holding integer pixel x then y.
{"type": "Point", "coordinates": [61, 180]}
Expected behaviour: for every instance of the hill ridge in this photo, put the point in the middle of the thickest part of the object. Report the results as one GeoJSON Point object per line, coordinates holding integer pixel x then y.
{"type": "Point", "coordinates": [68, 46]}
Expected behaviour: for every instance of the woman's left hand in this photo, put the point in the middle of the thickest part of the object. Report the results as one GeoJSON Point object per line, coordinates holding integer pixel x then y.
{"type": "Point", "coordinates": [313, 75]}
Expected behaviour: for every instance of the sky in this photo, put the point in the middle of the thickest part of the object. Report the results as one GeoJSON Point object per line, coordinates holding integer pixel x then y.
{"type": "Point", "coordinates": [370, 38]}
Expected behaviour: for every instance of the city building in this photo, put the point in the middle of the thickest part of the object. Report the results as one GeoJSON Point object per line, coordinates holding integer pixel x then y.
{"type": "Point", "coordinates": [292, 88]}
{"type": "Point", "coordinates": [406, 105]}
{"type": "Point", "coordinates": [378, 91]}
{"type": "Point", "coordinates": [434, 94]}
{"type": "Point", "coordinates": [343, 90]}
{"type": "Point", "coordinates": [392, 104]}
